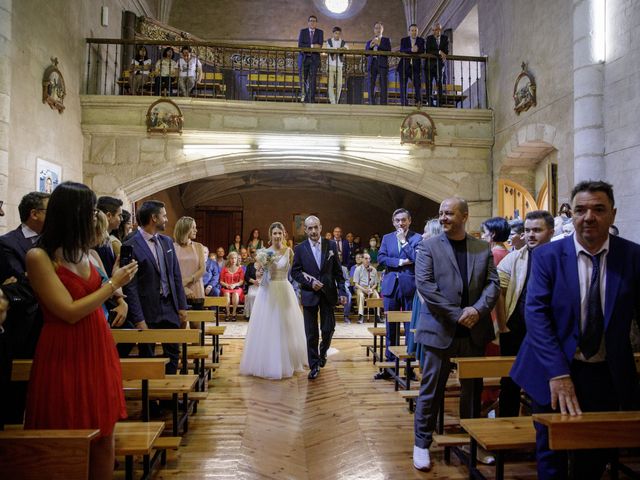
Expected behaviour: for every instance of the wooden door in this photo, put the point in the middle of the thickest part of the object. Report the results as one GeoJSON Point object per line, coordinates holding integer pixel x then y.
{"type": "Point", "coordinates": [218, 225]}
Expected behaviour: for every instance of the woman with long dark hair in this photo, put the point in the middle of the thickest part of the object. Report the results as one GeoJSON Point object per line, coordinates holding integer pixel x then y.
{"type": "Point", "coordinates": [166, 71]}
{"type": "Point", "coordinates": [75, 379]}
{"type": "Point", "coordinates": [139, 70]}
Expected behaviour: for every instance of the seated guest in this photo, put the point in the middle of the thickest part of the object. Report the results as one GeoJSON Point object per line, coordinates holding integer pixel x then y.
{"type": "Point", "coordinates": [516, 236]}
{"type": "Point", "coordinates": [166, 71]}
{"type": "Point", "coordinates": [252, 283]}
{"type": "Point", "coordinates": [328, 236]}
{"type": "Point", "coordinates": [231, 283]}
{"type": "Point", "coordinates": [335, 65]}
{"type": "Point", "coordinates": [308, 63]}
{"type": "Point", "coordinates": [15, 244]}
{"type": "Point", "coordinates": [220, 258]}
{"type": "Point", "coordinates": [365, 283]}
{"type": "Point", "coordinates": [211, 277]}
{"type": "Point", "coordinates": [372, 250]}
{"type": "Point", "coordinates": [357, 263]}
{"type": "Point", "coordinates": [236, 245]}
{"type": "Point", "coordinates": [75, 378]}
{"type": "Point", "coordinates": [582, 296]}
{"type": "Point", "coordinates": [139, 71]}
{"type": "Point", "coordinates": [244, 258]}
{"type": "Point", "coordinates": [191, 259]}
{"type": "Point", "coordinates": [254, 240]}
{"type": "Point", "coordinates": [514, 273]}
{"type": "Point", "coordinates": [409, 68]}
{"type": "Point", "coordinates": [112, 208]}
{"type": "Point", "coordinates": [378, 65]}
{"type": "Point", "coordinates": [189, 72]}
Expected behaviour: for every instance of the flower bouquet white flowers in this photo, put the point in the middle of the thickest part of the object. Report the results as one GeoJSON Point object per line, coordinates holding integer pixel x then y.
{"type": "Point", "coordinates": [265, 257]}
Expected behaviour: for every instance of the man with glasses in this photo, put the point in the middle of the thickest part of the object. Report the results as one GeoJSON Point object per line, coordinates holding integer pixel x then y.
{"type": "Point", "coordinates": [15, 244]}
{"type": "Point", "coordinates": [308, 63]}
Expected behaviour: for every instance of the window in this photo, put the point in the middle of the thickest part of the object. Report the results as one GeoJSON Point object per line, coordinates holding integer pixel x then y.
{"type": "Point", "coordinates": [337, 6]}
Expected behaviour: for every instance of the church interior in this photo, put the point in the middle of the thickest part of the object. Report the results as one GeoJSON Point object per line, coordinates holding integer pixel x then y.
{"type": "Point", "coordinates": [531, 98]}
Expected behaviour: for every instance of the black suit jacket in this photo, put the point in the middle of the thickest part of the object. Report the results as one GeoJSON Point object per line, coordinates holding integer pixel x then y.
{"type": "Point", "coordinates": [13, 250]}
{"type": "Point", "coordinates": [143, 292]}
{"type": "Point", "coordinates": [383, 61]}
{"type": "Point", "coordinates": [405, 47]}
{"type": "Point", "coordinates": [305, 41]}
{"type": "Point", "coordinates": [432, 48]}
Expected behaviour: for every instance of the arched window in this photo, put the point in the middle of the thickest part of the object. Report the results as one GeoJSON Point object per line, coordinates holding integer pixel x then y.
{"type": "Point", "coordinates": [337, 6]}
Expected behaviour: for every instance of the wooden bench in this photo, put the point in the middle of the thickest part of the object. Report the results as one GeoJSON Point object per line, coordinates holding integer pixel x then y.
{"type": "Point", "coordinates": [216, 303]}
{"type": "Point", "coordinates": [373, 303]}
{"type": "Point", "coordinates": [45, 454]}
{"type": "Point", "coordinates": [377, 332]}
{"type": "Point", "coordinates": [593, 430]}
{"type": "Point", "coordinates": [497, 435]}
{"type": "Point", "coordinates": [211, 85]}
{"type": "Point", "coordinates": [400, 353]}
{"type": "Point", "coordinates": [138, 438]}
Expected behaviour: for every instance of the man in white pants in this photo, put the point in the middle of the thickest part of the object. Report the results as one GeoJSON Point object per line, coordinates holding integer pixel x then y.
{"type": "Point", "coordinates": [335, 63]}
{"type": "Point", "coordinates": [365, 283]}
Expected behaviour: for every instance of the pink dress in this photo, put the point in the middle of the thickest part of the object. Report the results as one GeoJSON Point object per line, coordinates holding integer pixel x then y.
{"type": "Point", "coordinates": [76, 382]}
{"type": "Point", "coordinates": [190, 261]}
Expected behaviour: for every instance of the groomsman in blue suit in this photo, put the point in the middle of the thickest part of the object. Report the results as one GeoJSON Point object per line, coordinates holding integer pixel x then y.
{"type": "Point", "coordinates": [582, 296]}
{"type": "Point", "coordinates": [308, 63]}
{"type": "Point", "coordinates": [398, 255]}
{"type": "Point", "coordinates": [378, 65]}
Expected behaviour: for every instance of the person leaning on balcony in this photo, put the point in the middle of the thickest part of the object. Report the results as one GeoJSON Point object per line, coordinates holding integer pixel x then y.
{"type": "Point", "coordinates": [189, 72]}
{"type": "Point", "coordinates": [166, 69]}
{"type": "Point", "coordinates": [308, 63]}
{"type": "Point", "coordinates": [139, 71]}
{"type": "Point", "coordinates": [335, 63]}
{"type": "Point", "coordinates": [378, 65]}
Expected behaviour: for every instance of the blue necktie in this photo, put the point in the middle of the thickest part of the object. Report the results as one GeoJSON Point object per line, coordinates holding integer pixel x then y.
{"type": "Point", "coordinates": [591, 335]}
{"type": "Point", "coordinates": [164, 283]}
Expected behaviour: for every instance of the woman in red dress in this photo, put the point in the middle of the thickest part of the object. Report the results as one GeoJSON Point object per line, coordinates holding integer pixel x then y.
{"type": "Point", "coordinates": [75, 379]}
{"type": "Point", "coordinates": [232, 282]}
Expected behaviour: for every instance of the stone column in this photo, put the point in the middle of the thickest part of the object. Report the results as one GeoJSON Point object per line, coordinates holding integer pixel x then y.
{"type": "Point", "coordinates": [5, 102]}
{"type": "Point", "coordinates": [588, 95]}
{"type": "Point", "coordinates": [164, 10]}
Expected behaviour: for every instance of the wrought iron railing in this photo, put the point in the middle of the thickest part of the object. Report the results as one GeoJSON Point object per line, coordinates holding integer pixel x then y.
{"type": "Point", "coordinates": [269, 73]}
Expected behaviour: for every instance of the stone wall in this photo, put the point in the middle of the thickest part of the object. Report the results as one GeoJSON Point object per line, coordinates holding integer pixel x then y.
{"type": "Point", "coordinates": [539, 33]}
{"type": "Point", "coordinates": [42, 29]}
{"type": "Point", "coordinates": [621, 106]}
{"type": "Point", "coordinates": [280, 21]}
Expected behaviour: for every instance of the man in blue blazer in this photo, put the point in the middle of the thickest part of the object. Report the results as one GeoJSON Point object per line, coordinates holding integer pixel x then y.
{"type": "Point", "coordinates": [317, 270]}
{"type": "Point", "coordinates": [378, 65]}
{"type": "Point", "coordinates": [308, 63]}
{"type": "Point", "coordinates": [156, 297]}
{"type": "Point", "coordinates": [410, 68]}
{"type": "Point", "coordinates": [582, 295]}
{"type": "Point", "coordinates": [397, 255]}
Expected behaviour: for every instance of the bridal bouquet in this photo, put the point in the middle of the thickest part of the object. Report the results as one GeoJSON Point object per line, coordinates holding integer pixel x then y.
{"type": "Point", "coordinates": [265, 257]}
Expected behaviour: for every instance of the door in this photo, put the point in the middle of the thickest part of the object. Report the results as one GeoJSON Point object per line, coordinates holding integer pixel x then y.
{"type": "Point", "coordinates": [218, 225]}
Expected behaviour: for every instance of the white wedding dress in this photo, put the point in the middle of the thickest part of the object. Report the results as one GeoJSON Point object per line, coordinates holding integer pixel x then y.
{"type": "Point", "coordinates": [276, 344]}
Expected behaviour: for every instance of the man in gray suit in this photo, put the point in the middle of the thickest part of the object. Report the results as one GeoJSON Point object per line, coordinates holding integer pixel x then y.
{"type": "Point", "coordinates": [457, 278]}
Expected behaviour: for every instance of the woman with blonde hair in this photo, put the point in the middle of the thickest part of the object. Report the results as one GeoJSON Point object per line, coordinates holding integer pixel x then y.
{"type": "Point", "coordinates": [232, 282]}
{"type": "Point", "coordinates": [191, 259]}
{"type": "Point", "coordinates": [276, 344]}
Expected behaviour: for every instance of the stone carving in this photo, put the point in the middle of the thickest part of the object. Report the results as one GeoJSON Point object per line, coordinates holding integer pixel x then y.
{"type": "Point", "coordinates": [53, 88]}
{"type": "Point", "coordinates": [418, 128]}
{"type": "Point", "coordinates": [524, 91]}
{"type": "Point", "coordinates": [164, 116]}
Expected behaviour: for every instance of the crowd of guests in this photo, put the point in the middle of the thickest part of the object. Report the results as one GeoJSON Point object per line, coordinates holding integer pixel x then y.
{"type": "Point", "coordinates": [564, 308]}
{"type": "Point", "coordinates": [188, 72]}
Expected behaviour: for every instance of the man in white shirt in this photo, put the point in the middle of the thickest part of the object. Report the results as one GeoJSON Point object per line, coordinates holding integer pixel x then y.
{"type": "Point", "coordinates": [335, 63]}
{"type": "Point", "coordinates": [190, 72]}
{"type": "Point", "coordinates": [365, 283]}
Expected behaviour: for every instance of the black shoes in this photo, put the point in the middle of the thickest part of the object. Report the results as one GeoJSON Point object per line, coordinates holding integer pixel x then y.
{"type": "Point", "coordinates": [383, 375]}
{"type": "Point", "coordinates": [323, 361]}
{"type": "Point", "coordinates": [313, 374]}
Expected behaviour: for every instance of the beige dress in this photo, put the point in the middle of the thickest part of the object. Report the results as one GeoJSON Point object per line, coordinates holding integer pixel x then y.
{"type": "Point", "coordinates": [190, 262]}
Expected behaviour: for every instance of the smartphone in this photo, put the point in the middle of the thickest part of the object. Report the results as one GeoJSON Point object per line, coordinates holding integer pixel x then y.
{"type": "Point", "coordinates": [126, 255]}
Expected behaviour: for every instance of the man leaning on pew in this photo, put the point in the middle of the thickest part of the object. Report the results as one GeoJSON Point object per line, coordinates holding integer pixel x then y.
{"type": "Point", "coordinates": [457, 278]}
{"type": "Point", "coordinates": [582, 295]}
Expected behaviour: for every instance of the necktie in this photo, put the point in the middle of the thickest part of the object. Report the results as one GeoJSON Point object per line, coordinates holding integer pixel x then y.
{"type": "Point", "coordinates": [164, 284]}
{"type": "Point", "coordinates": [591, 336]}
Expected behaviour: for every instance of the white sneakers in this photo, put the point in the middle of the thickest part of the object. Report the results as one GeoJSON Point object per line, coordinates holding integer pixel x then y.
{"type": "Point", "coordinates": [421, 458]}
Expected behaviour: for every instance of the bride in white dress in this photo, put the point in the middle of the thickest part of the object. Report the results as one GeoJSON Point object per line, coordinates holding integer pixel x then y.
{"type": "Point", "coordinates": [276, 345]}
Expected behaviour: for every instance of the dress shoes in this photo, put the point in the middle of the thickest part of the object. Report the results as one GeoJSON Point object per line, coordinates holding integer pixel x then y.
{"type": "Point", "coordinates": [313, 374]}
{"type": "Point", "coordinates": [323, 361]}
{"type": "Point", "coordinates": [361, 319]}
{"type": "Point", "coordinates": [421, 459]}
{"type": "Point", "coordinates": [383, 375]}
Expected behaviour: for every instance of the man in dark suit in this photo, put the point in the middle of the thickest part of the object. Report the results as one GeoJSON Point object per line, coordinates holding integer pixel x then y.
{"type": "Point", "coordinates": [342, 245]}
{"type": "Point", "coordinates": [410, 68]}
{"type": "Point", "coordinates": [378, 65]}
{"type": "Point", "coordinates": [397, 255]}
{"type": "Point", "coordinates": [112, 208]}
{"type": "Point", "coordinates": [308, 63]}
{"type": "Point", "coordinates": [582, 296]}
{"type": "Point", "coordinates": [15, 244]}
{"type": "Point", "coordinates": [156, 297]}
{"type": "Point", "coordinates": [456, 277]}
{"type": "Point", "coordinates": [317, 270]}
{"type": "Point", "coordinates": [437, 45]}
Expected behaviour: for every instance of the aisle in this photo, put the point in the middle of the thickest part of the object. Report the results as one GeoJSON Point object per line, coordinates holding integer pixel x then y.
{"type": "Point", "coordinates": [342, 426]}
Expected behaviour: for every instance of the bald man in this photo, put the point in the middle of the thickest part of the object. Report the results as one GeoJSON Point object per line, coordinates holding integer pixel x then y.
{"type": "Point", "coordinates": [457, 278]}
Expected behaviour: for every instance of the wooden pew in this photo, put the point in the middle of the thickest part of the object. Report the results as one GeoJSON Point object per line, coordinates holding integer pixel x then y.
{"type": "Point", "coordinates": [375, 304]}
{"type": "Point", "coordinates": [50, 454]}
{"type": "Point", "coordinates": [138, 438]}
{"type": "Point", "coordinates": [216, 302]}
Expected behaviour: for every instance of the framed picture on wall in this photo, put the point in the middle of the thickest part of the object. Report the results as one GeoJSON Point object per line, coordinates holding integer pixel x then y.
{"type": "Point", "coordinates": [297, 228]}
{"type": "Point", "coordinates": [48, 175]}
